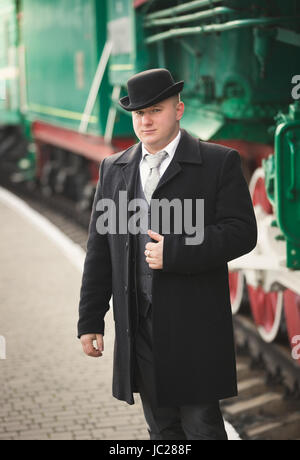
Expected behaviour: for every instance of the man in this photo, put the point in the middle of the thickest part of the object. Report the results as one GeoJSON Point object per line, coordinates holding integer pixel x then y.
{"type": "Point", "coordinates": [174, 339]}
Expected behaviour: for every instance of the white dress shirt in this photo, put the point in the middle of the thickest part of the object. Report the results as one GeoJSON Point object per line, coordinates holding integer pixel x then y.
{"type": "Point", "coordinates": [170, 149]}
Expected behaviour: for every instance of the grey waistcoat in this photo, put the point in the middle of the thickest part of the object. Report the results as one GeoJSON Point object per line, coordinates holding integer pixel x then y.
{"type": "Point", "coordinates": [143, 272]}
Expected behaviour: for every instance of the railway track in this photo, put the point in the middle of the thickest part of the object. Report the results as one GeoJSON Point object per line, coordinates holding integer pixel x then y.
{"type": "Point", "coordinates": [268, 405]}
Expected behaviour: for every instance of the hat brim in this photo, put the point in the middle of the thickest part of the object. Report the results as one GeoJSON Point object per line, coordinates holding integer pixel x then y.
{"type": "Point", "coordinates": [168, 92]}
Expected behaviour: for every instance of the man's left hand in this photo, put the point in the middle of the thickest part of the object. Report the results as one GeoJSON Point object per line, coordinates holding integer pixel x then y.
{"type": "Point", "coordinates": [155, 258]}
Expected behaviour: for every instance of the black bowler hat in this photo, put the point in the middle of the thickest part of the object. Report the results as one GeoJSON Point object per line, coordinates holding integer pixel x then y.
{"type": "Point", "coordinates": [149, 87]}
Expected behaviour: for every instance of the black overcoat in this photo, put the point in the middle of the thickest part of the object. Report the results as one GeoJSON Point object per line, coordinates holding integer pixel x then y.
{"type": "Point", "coordinates": [193, 344]}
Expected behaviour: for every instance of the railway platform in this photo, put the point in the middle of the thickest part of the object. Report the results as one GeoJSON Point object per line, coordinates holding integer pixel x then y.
{"type": "Point", "coordinates": [49, 389]}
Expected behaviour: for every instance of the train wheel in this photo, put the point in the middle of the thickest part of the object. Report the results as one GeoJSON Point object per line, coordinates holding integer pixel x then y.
{"type": "Point", "coordinates": [266, 307]}
{"type": "Point", "coordinates": [51, 169]}
{"type": "Point", "coordinates": [258, 191]}
{"type": "Point", "coordinates": [87, 197]}
{"type": "Point", "coordinates": [45, 180]}
{"type": "Point", "coordinates": [236, 285]}
{"type": "Point", "coordinates": [292, 319]}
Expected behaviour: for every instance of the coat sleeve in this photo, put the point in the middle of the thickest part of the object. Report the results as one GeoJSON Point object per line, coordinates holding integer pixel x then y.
{"type": "Point", "coordinates": [96, 287]}
{"type": "Point", "coordinates": [233, 234]}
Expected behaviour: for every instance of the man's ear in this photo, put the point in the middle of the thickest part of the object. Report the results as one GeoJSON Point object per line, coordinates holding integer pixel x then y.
{"type": "Point", "coordinates": [179, 110]}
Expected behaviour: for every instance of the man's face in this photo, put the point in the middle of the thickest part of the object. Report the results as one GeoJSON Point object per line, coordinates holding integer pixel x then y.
{"type": "Point", "coordinates": [156, 126]}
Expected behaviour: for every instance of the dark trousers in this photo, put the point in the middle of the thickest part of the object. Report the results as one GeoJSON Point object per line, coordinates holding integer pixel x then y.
{"type": "Point", "coordinates": [201, 421]}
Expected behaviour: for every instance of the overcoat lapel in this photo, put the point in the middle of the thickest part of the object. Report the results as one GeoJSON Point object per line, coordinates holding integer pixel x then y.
{"type": "Point", "coordinates": [188, 151]}
{"type": "Point", "coordinates": [130, 162]}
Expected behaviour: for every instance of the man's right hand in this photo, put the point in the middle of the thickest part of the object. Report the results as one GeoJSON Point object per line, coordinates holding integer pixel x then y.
{"type": "Point", "coordinates": [88, 346]}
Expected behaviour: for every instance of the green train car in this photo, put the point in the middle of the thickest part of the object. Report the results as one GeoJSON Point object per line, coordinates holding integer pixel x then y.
{"type": "Point", "coordinates": [12, 143]}
{"type": "Point", "coordinates": [240, 63]}
{"type": "Point", "coordinates": [9, 64]}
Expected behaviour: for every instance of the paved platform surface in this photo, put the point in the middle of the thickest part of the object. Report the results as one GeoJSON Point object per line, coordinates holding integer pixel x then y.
{"type": "Point", "coordinates": [49, 389]}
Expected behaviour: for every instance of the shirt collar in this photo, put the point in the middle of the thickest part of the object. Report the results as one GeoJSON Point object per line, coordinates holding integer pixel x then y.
{"type": "Point", "coordinates": [170, 148]}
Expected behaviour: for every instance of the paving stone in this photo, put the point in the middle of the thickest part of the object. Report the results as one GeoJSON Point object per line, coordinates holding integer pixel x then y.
{"type": "Point", "coordinates": [49, 388]}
